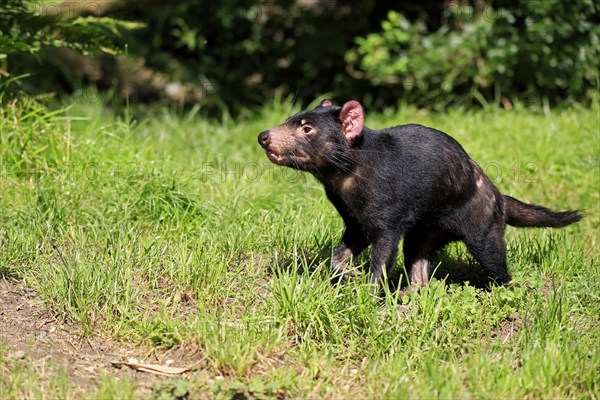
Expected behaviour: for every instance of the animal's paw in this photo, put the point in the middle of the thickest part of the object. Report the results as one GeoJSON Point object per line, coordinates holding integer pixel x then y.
{"type": "Point", "coordinates": [412, 288]}
{"type": "Point", "coordinates": [343, 273]}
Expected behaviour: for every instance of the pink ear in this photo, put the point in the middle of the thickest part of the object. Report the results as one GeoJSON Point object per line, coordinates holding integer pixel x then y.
{"type": "Point", "coordinates": [352, 119]}
{"type": "Point", "coordinates": [325, 103]}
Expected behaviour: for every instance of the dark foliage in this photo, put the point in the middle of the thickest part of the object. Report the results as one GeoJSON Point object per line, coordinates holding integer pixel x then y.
{"type": "Point", "coordinates": [239, 54]}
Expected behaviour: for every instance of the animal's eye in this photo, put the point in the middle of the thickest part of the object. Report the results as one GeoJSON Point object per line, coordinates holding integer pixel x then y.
{"type": "Point", "coordinates": [307, 129]}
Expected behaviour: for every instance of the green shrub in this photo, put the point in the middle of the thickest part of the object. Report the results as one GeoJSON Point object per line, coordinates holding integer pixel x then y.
{"type": "Point", "coordinates": [242, 53]}
{"type": "Point", "coordinates": [230, 56]}
{"type": "Point", "coordinates": [545, 49]}
{"type": "Point", "coordinates": [27, 27]}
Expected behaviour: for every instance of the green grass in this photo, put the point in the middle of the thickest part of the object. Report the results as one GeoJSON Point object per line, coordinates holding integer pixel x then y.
{"type": "Point", "coordinates": [177, 231]}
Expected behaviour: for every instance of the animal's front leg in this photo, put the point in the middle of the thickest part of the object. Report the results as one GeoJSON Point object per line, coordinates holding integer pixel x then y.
{"type": "Point", "coordinates": [353, 243]}
{"type": "Point", "coordinates": [385, 249]}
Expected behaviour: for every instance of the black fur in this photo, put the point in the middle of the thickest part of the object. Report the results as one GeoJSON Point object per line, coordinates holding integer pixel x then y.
{"type": "Point", "coordinates": [408, 181]}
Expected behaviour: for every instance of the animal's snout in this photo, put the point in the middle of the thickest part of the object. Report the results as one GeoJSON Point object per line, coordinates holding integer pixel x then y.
{"type": "Point", "coordinates": [264, 138]}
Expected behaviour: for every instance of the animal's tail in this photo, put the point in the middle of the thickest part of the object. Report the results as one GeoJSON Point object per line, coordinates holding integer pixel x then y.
{"type": "Point", "coordinates": [531, 215]}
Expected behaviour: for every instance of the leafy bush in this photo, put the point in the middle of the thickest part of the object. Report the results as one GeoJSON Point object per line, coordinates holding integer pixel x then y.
{"type": "Point", "coordinates": [242, 52]}
{"type": "Point", "coordinates": [27, 28]}
{"type": "Point", "coordinates": [233, 55]}
{"type": "Point", "coordinates": [515, 49]}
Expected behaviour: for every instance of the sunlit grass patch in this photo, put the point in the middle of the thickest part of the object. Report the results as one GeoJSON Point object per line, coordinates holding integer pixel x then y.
{"type": "Point", "coordinates": [176, 231]}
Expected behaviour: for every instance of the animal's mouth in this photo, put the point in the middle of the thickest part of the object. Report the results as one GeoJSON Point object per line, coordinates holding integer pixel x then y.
{"type": "Point", "coordinates": [275, 157]}
{"type": "Point", "coordinates": [286, 158]}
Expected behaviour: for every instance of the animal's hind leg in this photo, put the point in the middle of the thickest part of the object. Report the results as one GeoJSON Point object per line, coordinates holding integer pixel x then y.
{"type": "Point", "coordinates": [489, 249]}
{"type": "Point", "coordinates": [482, 228]}
{"type": "Point", "coordinates": [419, 247]}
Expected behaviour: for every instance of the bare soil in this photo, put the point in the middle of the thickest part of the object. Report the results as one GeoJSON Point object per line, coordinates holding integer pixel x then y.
{"type": "Point", "coordinates": [30, 331]}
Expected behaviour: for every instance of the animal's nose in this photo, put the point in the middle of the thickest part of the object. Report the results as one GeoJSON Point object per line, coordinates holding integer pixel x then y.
{"type": "Point", "coordinates": [264, 138]}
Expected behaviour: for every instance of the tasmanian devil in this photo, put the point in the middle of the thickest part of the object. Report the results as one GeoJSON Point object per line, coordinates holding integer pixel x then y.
{"type": "Point", "coordinates": [408, 181]}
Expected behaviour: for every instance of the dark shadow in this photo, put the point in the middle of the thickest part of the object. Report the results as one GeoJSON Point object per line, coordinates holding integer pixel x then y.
{"type": "Point", "coordinates": [306, 260]}
{"type": "Point", "coordinates": [7, 274]}
{"type": "Point", "coordinates": [462, 270]}
{"type": "Point", "coordinates": [451, 269]}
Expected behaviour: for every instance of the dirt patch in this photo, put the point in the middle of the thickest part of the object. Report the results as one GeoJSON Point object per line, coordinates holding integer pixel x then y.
{"type": "Point", "coordinates": [29, 330]}
{"type": "Point", "coordinates": [508, 328]}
